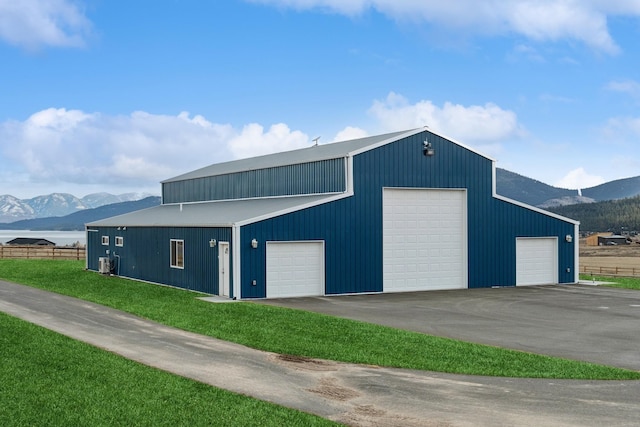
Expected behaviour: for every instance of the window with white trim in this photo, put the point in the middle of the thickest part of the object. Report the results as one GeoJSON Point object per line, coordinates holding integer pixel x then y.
{"type": "Point", "coordinates": [105, 240]}
{"type": "Point", "coordinates": [177, 253]}
{"type": "Point", "coordinates": [119, 241]}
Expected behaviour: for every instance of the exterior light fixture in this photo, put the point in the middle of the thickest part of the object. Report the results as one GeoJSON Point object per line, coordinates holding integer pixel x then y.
{"type": "Point", "coordinates": [254, 244]}
{"type": "Point", "coordinates": [213, 243]}
{"type": "Point", "coordinates": [427, 148]}
{"type": "Point", "coordinates": [568, 238]}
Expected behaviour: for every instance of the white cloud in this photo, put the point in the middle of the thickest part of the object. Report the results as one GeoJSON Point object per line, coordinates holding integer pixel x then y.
{"type": "Point", "coordinates": [540, 20]}
{"type": "Point", "coordinates": [35, 23]}
{"type": "Point", "coordinates": [629, 87]}
{"type": "Point", "coordinates": [579, 179]}
{"type": "Point", "coordinates": [622, 128]}
{"type": "Point", "coordinates": [253, 141]}
{"type": "Point", "coordinates": [71, 147]}
{"type": "Point", "coordinates": [350, 132]}
{"type": "Point", "coordinates": [472, 124]}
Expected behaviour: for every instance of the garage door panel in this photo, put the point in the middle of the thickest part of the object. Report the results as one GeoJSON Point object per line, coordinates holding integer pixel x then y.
{"type": "Point", "coordinates": [295, 269]}
{"type": "Point", "coordinates": [424, 239]}
{"type": "Point", "coordinates": [536, 261]}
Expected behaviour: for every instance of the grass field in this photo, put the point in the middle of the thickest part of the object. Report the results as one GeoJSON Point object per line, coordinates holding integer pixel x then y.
{"type": "Point", "coordinates": [47, 379]}
{"type": "Point", "coordinates": [296, 332]}
{"type": "Point", "coordinates": [615, 282]}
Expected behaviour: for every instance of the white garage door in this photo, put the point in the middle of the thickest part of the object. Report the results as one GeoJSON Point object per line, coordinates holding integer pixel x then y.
{"type": "Point", "coordinates": [536, 261]}
{"type": "Point", "coordinates": [295, 269]}
{"type": "Point", "coordinates": [424, 239]}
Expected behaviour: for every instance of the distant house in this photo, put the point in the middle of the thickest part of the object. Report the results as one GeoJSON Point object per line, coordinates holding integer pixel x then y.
{"type": "Point", "coordinates": [612, 240]}
{"type": "Point", "coordinates": [594, 239]}
{"type": "Point", "coordinates": [22, 241]}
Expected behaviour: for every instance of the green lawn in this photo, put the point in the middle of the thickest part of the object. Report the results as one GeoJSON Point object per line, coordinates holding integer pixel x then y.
{"type": "Point", "coordinates": [297, 332]}
{"type": "Point", "coordinates": [47, 379]}
{"type": "Point", "coordinates": [615, 282]}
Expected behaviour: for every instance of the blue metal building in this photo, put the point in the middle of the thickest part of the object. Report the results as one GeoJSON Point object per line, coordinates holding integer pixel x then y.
{"type": "Point", "coordinates": [399, 212]}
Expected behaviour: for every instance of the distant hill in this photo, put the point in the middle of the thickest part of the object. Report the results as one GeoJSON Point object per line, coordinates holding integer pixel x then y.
{"type": "Point", "coordinates": [76, 221]}
{"type": "Point", "coordinates": [614, 190]}
{"type": "Point", "coordinates": [527, 190]}
{"type": "Point", "coordinates": [613, 215]}
{"type": "Point", "coordinates": [536, 193]}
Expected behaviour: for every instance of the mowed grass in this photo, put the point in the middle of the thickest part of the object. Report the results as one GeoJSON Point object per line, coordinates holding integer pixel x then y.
{"type": "Point", "coordinates": [615, 282]}
{"type": "Point", "coordinates": [297, 332]}
{"type": "Point", "coordinates": [47, 379]}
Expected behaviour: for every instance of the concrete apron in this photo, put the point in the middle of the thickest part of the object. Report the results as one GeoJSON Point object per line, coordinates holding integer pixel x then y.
{"type": "Point", "coordinates": [352, 394]}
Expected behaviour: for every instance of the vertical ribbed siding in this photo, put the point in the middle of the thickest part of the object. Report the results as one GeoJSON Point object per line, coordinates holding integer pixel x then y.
{"type": "Point", "coordinates": [352, 227]}
{"type": "Point", "coordinates": [146, 251]}
{"type": "Point", "coordinates": [325, 176]}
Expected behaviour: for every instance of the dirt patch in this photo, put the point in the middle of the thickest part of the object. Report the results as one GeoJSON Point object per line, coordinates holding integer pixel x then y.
{"type": "Point", "coordinates": [370, 416]}
{"type": "Point", "coordinates": [329, 388]}
{"type": "Point", "coordinates": [304, 363]}
{"type": "Point", "coordinates": [618, 251]}
{"type": "Point", "coordinates": [618, 260]}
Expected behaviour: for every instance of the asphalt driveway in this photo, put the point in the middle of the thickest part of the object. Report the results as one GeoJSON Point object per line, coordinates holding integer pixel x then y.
{"type": "Point", "coordinates": [581, 322]}
{"type": "Point", "coordinates": [357, 395]}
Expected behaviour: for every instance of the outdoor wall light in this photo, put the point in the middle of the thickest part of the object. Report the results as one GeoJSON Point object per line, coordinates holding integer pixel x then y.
{"type": "Point", "coordinates": [213, 243]}
{"type": "Point", "coordinates": [427, 148]}
{"type": "Point", "coordinates": [568, 238]}
{"type": "Point", "coordinates": [254, 244]}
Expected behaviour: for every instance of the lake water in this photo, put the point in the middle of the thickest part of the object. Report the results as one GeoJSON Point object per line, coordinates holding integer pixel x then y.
{"type": "Point", "coordinates": [60, 238]}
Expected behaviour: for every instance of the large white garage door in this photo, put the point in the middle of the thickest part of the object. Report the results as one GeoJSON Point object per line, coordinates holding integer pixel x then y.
{"type": "Point", "coordinates": [295, 269]}
{"type": "Point", "coordinates": [536, 261]}
{"type": "Point", "coordinates": [424, 239]}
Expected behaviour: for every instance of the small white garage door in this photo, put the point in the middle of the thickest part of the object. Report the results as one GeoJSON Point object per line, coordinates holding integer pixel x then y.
{"type": "Point", "coordinates": [424, 239]}
{"type": "Point", "coordinates": [295, 269]}
{"type": "Point", "coordinates": [536, 261]}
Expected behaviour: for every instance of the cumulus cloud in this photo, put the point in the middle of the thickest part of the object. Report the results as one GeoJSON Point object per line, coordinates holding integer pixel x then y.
{"type": "Point", "coordinates": [254, 141]}
{"type": "Point", "coordinates": [32, 24]}
{"type": "Point", "coordinates": [472, 124]}
{"type": "Point", "coordinates": [136, 150]}
{"type": "Point", "coordinates": [542, 20]}
{"type": "Point", "coordinates": [579, 179]}
{"type": "Point", "coordinates": [350, 132]}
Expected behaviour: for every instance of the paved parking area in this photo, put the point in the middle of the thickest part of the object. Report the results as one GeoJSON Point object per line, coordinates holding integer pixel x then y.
{"type": "Point", "coordinates": [358, 395]}
{"type": "Point", "coordinates": [582, 322]}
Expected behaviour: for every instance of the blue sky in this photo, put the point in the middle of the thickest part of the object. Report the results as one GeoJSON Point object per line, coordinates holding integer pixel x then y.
{"type": "Point", "coordinates": [110, 95]}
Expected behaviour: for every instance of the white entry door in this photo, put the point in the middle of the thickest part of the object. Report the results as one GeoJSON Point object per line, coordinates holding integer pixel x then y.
{"type": "Point", "coordinates": [223, 269]}
{"type": "Point", "coordinates": [295, 269]}
{"type": "Point", "coordinates": [424, 239]}
{"type": "Point", "coordinates": [536, 261]}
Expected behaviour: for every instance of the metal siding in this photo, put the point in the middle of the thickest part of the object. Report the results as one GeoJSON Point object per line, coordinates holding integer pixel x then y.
{"type": "Point", "coordinates": [146, 250]}
{"type": "Point", "coordinates": [326, 176]}
{"type": "Point", "coordinates": [352, 227]}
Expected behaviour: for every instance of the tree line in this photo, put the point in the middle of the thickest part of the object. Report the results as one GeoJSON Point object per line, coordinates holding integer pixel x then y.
{"type": "Point", "coordinates": [617, 216]}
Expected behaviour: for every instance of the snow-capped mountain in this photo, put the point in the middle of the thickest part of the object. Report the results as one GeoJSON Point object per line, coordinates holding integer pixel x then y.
{"type": "Point", "coordinates": [14, 209]}
{"type": "Point", "coordinates": [57, 204]}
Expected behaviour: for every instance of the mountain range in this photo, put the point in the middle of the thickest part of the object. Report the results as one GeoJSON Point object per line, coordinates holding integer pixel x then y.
{"type": "Point", "coordinates": [536, 193]}
{"type": "Point", "coordinates": [61, 211]}
{"type": "Point", "coordinates": [57, 204]}
{"type": "Point", "coordinates": [77, 220]}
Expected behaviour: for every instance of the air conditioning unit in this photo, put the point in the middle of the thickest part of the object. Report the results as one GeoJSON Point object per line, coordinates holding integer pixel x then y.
{"type": "Point", "coordinates": [104, 266]}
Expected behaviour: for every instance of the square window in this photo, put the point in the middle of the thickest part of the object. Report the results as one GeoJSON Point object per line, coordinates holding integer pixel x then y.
{"type": "Point", "coordinates": [119, 241]}
{"type": "Point", "coordinates": [105, 240]}
{"type": "Point", "coordinates": [177, 253]}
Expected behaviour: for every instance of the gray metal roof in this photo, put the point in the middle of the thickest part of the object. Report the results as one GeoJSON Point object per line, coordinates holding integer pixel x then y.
{"type": "Point", "coordinates": [212, 214]}
{"type": "Point", "coordinates": [303, 155]}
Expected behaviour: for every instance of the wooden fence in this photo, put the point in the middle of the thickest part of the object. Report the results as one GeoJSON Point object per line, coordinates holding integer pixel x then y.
{"type": "Point", "coordinates": [611, 271]}
{"type": "Point", "coordinates": [41, 252]}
